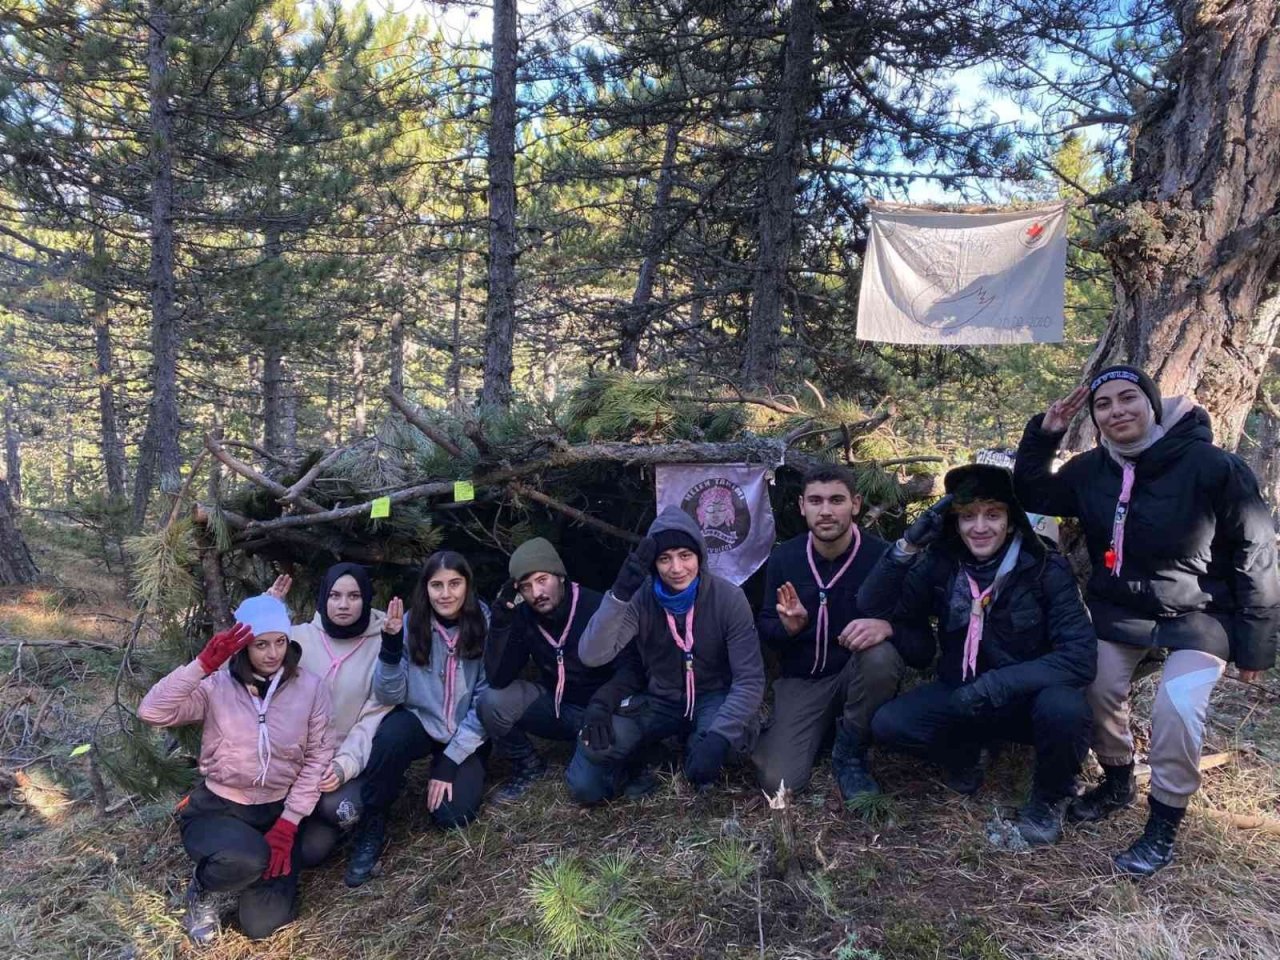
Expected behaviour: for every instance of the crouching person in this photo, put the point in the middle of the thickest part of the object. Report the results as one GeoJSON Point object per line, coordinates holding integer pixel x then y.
{"type": "Point", "coordinates": [430, 672]}
{"type": "Point", "coordinates": [264, 750]}
{"type": "Point", "coordinates": [545, 628]}
{"type": "Point", "coordinates": [340, 645]}
{"type": "Point", "coordinates": [1017, 646]}
{"type": "Point", "coordinates": [697, 657]}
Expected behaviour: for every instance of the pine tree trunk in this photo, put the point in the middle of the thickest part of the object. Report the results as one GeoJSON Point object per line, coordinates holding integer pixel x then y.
{"type": "Point", "coordinates": [359, 398]}
{"type": "Point", "coordinates": [12, 432]}
{"type": "Point", "coordinates": [1196, 252]}
{"type": "Point", "coordinates": [110, 443]}
{"type": "Point", "coordinates": [68, 457]}
{"type": "Point", "coordinates": [279, 411]}
{"type": "Point", "coordinates": [453, 374]}
{"type": "Point", "coordinates": [639, 316]}
{"type": "Point", "coordinates": [162, 458]}
{"type": "Point", "coordinates": [395, 347]}
{"type": "Point", "coordinates": [500, 310]}
{"type": "Point", "coordinates": [16, 565]}
{"type": "Point", "coordinates": [777, 212]}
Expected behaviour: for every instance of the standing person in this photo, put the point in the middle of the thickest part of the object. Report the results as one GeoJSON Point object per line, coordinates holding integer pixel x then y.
{"type": "Point", "coordinates": [264, 749]}
{"type": "Point", "coordinates": [340, 645]}
{"type": "Point", "coordinates": [699, 662]}
{"type": "Point", "coordinates": [431, 673]}
{"type": "Point", "coordinates": [544, 628]}
{"type": "Point", "coordinates": [835, 665]}
{"type": "Point", "coordinates": [1017, 648]}
{"type": "Point", "coordinates": [1183, 554]}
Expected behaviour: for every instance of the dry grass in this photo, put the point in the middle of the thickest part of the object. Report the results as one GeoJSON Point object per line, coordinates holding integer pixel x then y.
{"type": "Point", "coordinates": [686, 876]}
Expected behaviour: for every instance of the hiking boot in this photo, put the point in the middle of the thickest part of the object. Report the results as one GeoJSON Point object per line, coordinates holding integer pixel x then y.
{"type": "Point", "coordinates": [643, 783]}
{"type": "Point", "coordinates": [200, 920]}
{"type": "Point", "coordinates": [849, 764]}
{"type": "Point", "coordinates": [524, 774]}
{"type": "Point", "coordinates": [1040, 820]}
{"type": "Point", "coordinates": [965, 781]}
{"type": "Point", "coordinates": [1116, 791]}
{"type": "Point", "coordinates": [366, 849]}
{"type": "Point", "coordinates": [1153, 850]}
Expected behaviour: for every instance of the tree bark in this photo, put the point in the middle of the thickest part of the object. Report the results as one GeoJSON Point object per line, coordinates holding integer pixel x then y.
{"type": "Point", "coordinates": [639, 316]}
{"type": "Point", "coordinates": [112, 447]}
{"type": "Point", "coordinates": [279, 407]}
{"type": "Point", "coordinates": [396, 349]}
{"type": "Point", "coordinates": [500, 309]}
{"type": "Point", "coordinates": [359, 400]}
{"type": "Point", "coordinates": [161, 459]}
{"type": "Point", "coordinates": [12, 431]}
{"type": "Point", "coordinates": [1196, 251]}
{"type": "Point", "coordinates": [16, 565]}
{"type": "Point", "coordinates": [778, 198]}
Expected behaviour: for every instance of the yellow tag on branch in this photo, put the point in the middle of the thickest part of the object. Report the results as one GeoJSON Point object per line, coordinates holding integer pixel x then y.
{"type": "Point", "coordinates": [380, 508]}
{"type": "Point", "coordinates": [463, 490]}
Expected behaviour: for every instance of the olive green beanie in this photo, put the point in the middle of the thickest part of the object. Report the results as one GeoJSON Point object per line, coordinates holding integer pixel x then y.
{"type": "Point", "coordinates": [535, 556]}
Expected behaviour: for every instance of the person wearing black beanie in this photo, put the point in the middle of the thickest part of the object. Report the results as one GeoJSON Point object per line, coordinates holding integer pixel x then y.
{"type": "Point", "coordinates": [1183, 553]}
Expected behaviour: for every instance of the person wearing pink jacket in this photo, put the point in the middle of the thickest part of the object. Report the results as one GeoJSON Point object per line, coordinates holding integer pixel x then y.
{"type": "Point", "coordinates": [265, 749]}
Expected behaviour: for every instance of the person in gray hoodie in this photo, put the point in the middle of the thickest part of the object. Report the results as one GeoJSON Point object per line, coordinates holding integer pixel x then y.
{"type": "Point", "coordinates": [430, 670]}
{"type": "Point", "coordinates": [700, 672]}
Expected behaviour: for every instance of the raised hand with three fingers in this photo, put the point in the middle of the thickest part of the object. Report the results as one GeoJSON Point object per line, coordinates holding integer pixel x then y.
{"type": "Point", "coordinates": [280, 589]}
{"type": "Point", "coordinates": [791, 612]}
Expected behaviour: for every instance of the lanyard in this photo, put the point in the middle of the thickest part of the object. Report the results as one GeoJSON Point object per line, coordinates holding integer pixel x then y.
{"type": "Point", "coordinates": [685, 643]}
{"type": "Point", "coordinates": [822, 628]}
{"type": "Point", "coordinates": [558, 646]}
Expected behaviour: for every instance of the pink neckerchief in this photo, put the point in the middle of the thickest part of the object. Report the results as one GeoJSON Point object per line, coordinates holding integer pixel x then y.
{"type": "Point", "coordinates": [820, 642]}
{"type": "Point", "coordinates": [558, 646]}
{"type": "Point", "coordinates": [450, 638]}
{"type": "Point", "coordinates": [335, 661]}
{"type": "Point", "coordinates": [982, 600]}
{"type": "Point", "coordinates": [1114, 558]}
{"type": "Point", "coordinates": [686, 644]}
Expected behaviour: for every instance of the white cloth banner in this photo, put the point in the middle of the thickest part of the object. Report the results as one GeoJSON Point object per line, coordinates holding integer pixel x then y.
{"type": "Point", "coordinates": [730, 502]}
{"type": "Point", "coordinates": [971, 278]}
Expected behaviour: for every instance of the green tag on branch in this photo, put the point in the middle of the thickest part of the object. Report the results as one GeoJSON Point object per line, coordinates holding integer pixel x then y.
{"type": "Point", "coordinates": [380, 508]}
{"type": "Point", "coordinates": [463, 490]}
{"type": "Point", "coordinates": [82, 749]}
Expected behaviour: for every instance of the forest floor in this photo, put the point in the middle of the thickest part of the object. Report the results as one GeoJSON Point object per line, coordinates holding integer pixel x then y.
{"type": "Point", "coordinates": [669, 876]}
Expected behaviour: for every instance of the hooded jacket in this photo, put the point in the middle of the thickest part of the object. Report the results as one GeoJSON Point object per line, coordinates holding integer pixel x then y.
{"type": "Point", "coordinates": [726, 647]}
{"type": "Point", "coordinates": [356, 712]}
{"type": "Point", "coordinates": [1199, 566]}
{"type": "Point", "coordinates": [1036, 632]}
{"type": "Point", "coordinates": [297, 724]}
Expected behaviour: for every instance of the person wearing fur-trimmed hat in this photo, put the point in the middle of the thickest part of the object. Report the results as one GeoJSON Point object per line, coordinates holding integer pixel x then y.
{"type": "Point", "coordinates": [700, 676]}
{"type": "Point", "coordinates": [1015, 648]}
{"type": "Point", "coordinates": [1183, 553]}
{"type": "Point", "coordinates": [539, 615]}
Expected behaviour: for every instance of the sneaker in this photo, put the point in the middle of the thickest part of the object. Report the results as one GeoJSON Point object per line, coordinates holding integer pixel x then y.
{"type": "Point", "coordinates": [1151, 852]}
{"type": "Point", "coordinates": [366, 850]}
{"type": "Point", "coordinates": [523, 776]}
{"type": "Point", "coordinates": [642, 784]}
{"type": "Point", "coordinates": [1040, 820]}
{"type": "Point", "coordinates": [200, 920]}
{"type": "Point", "coordinates": [1116, 791]}
{"type": "Point", "coordinates": [849, 764]}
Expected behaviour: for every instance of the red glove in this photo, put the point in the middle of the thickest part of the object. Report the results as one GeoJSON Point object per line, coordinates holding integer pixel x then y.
{"type": "Point", "coordinates": [280, 839]}
{"type": "Point", "coordinates": [224, 646]}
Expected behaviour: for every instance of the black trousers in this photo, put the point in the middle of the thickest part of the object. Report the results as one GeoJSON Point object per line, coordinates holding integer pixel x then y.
{"type": "Point", "coordinates": [225, 840]}
{"type": "Point", "coordinates": [334, 815]}
{"type": "Point", "coordinates": [1056, 721]}
{"type": "Point", "coordinates": [400, 741]}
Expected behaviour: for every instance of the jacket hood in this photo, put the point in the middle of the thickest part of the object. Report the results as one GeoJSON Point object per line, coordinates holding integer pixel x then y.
{"type": "Point", "coordinates": [1185, 426]}
{"type": "Point", "coordinates": [673, 519]}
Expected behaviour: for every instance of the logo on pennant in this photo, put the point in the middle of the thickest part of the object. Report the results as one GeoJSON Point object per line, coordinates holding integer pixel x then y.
{"type": "Point", "coordinates": [1034, 235]}
{"type": "Point", "coordinates": [720, 507]}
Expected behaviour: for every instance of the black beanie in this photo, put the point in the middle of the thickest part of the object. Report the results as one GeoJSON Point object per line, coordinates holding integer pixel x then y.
{"type": "Point", "coordinates": [981, 481]}
{"type": "Point", "coordinates": [675, 539]}
{"type": "Point", "coordinates": [332, 576]}
{"type": "Point", "coordinates": [1133, 375]}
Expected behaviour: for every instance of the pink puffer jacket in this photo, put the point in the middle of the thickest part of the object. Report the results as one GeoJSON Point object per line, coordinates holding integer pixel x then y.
{"type": "Point", "coordinates": [297, 725]}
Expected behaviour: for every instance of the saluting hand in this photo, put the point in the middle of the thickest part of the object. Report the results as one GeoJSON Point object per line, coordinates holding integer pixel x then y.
{"type": "Point", "coordinates": [791, 611]}
{"type": "Point", "coordinates": [395, 616]}
{"type": "Point", "coordinates": [1061, 412]}
{"type": "Point", "coordinates": [280, 589]}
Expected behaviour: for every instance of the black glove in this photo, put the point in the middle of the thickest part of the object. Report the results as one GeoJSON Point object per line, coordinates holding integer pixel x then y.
{"type": "Point", "coordinates": [706, 758]}
{"type": "Point", "coordinates": [597, 727]}
{"type": "Point", "coordinates": [392, 647]}
{"type": "Point", "coordinates": [928, 526]}
{"type": "Point", "coordinates": [503, 610]}
{"type": "Point", "coordinates": [443, 768]}
{"type": "Point", "coordinates": [637, 566]}
{"type": "Point", "coordinates": [968, 701]}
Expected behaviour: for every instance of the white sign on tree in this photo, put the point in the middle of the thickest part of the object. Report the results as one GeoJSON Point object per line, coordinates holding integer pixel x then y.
{"type": "Point", "coordinates": [964, 278]}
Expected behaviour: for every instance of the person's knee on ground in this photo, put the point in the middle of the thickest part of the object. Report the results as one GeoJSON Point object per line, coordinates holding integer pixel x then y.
{"type": "Point", "coordinates": [317, 839]}
{"type": "Point", "coordinates": [501, 709]}
{"type": "Point", "coordinates": [267, 906]}
{"type": "Point", "coordinates": [590, 776]}
{"type": "Point", "coordinates": [233, 868]}
{"type": "Point", "coordinates": [774, 766]}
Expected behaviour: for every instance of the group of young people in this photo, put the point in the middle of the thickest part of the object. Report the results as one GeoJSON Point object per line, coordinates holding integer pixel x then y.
{"type": "Point", "coordinates": [310, 729]}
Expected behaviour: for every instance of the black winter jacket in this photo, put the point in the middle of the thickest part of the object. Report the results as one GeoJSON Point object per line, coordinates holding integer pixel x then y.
{"type": "Point", "coordinates": [1199, 566]}
{"type": "Point", "coordinates": [1037, 633]}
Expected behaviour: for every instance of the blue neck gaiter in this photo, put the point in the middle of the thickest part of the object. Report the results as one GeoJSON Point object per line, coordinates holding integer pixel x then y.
{"type": "Point", "coordinates": [676, 603]}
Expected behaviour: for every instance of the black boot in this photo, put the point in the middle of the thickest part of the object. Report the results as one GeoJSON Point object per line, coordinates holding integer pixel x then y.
{"type": "Point", "coordinates": [1154, 849]}
{"type": "Point", "coordinates": [849, 764]}
{"type": "Point", "coordinates": [366, 849]}
{"type": "Point", "coordinates": [1040, 819]}
{"type": "Point", "coordinates": [524, 774]}
{"type": "Point", "coordinates": [1116, 791]}
{"type": "Point", "coordinates": [200, 920]}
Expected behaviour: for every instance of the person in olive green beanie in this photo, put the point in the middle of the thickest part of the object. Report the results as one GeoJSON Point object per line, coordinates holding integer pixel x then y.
{"type": "Point", "coordinates": [540, 614]}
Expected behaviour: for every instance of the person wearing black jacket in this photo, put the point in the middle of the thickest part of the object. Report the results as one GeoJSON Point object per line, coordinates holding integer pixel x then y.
{"type": "Point", "coordinates": [1183, 554]}
{"type": "Point", "coordinates": [1017, 647]}
{"type": "Point", "coordinates": [835, 665]}
{"type": "Point", "coordinates": [539, 615]}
